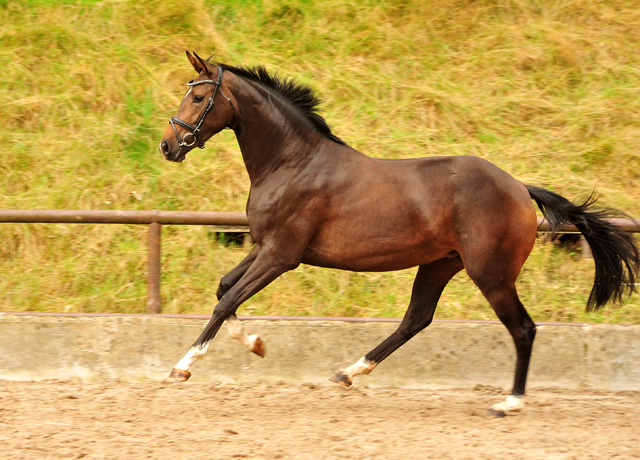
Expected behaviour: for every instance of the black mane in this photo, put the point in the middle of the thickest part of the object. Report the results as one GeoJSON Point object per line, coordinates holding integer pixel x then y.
{"type": "Point", "coordinates": [299, 95]}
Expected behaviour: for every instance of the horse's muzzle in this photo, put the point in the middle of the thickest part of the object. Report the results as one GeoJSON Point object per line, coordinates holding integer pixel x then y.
{"type": "Point", "coordinates": [165, 150]}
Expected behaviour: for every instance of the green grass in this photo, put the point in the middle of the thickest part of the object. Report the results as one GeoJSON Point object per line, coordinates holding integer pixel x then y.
{"type": "Point", "coordinates": [547, 90]}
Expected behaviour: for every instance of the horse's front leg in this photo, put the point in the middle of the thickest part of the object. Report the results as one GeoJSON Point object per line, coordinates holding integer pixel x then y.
{"type": "Point", "coordinates": [253, 343]}
{"type": "Point", "coordinates": [231, 278]}
{"type": "Point", "coordinates": [268, 265]}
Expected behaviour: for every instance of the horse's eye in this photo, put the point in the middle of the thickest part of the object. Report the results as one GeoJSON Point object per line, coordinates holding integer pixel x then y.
{"type": "Point", "coordinates": [198, 98]}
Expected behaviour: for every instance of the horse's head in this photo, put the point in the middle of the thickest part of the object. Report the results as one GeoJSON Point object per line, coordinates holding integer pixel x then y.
{"type": "Point", "coordinates": [205, 110]}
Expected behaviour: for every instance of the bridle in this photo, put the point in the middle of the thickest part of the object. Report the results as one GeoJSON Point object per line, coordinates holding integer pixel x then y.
{"type": "Point", "coordinates": [194, 130]}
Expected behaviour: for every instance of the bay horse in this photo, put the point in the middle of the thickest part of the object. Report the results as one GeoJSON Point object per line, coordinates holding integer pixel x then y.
{"type": "Point", "coordinates": [315, 200]}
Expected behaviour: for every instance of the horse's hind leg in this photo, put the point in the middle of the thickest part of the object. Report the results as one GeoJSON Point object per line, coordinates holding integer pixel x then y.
{"type": "Point", "coordinates": [427, 287]}
{"type": "Point", "coordinates": [505, 302]}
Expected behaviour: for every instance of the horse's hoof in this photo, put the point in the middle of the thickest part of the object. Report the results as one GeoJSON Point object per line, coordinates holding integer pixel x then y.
{"type": "Point", "coordinates": [341, 378]}
{"type": "Point", "coordinates": [496, 413]}
{"type": "Point", "coordinates": [260, 348]}
{"type": "Point", "coordinates": [178, 376]}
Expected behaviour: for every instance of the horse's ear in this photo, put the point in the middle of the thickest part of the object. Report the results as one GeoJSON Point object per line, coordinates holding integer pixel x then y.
{"type": "Point", "coordinates": [194, 62]}
{"type": "Point", "coordinates": [206, 65]}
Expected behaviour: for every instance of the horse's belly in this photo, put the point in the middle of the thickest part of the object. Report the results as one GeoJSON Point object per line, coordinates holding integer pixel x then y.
{"type": "Point", "coordinates": [379, 254]}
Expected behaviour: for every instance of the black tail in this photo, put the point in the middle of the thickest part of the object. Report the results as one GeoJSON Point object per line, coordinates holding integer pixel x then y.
{"type": "Point", "coordinates": [615, 252]}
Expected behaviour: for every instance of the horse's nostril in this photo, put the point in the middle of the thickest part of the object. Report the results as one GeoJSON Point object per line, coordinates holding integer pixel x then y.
{"type": "Point", "coordinates": [164, 145]}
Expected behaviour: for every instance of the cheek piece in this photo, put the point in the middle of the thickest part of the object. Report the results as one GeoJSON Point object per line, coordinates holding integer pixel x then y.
{"type": "Point", "coordinates": [192, 135]}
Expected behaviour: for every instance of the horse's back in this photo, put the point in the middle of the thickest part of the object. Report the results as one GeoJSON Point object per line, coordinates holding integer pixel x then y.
{"type": "Point", "coordinates": [392, 214]}
{"type": "Point", "coordinates": [457, 187]}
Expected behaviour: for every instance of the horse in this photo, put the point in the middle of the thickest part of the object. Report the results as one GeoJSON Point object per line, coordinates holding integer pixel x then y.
{"type": "Point", "coordinates": [315, 200]}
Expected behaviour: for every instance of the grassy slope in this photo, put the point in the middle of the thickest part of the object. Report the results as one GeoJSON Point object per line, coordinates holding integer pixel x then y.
{"type": "Point", "coordinates": [547, 90]}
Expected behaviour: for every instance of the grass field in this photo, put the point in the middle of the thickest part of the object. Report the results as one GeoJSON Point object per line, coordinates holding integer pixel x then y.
{"type": "Point", "coordinates": [547, 90]}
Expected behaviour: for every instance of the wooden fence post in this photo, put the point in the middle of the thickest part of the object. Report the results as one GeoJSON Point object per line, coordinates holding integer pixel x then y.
{"type": "Point", "coordinates": [153, 283]}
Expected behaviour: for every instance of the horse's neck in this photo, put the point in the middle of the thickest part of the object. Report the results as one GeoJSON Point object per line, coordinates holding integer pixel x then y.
{"type": "Point", "coordinates": [270, 135]}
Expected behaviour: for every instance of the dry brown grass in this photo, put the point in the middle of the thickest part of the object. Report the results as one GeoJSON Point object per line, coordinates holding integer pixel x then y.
{"type": "Point", "coordinates": [547, 90]}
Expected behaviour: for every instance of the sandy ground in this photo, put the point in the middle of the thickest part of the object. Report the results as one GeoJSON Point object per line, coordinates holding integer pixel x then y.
{"type": "Point", "coordinates": [110, 419]}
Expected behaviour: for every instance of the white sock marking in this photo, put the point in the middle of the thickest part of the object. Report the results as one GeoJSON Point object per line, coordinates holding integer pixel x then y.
{"type": "Point", "coordinates": [236, 330]}
{"type": "Point", "coordinates": [194, 354]}
{"type": "Point", "coordinates": [510, 405]}
{"type": "Point", "coordinates": [363, 366]}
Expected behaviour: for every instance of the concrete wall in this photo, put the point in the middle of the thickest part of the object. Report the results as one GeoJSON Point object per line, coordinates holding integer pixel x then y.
{"type": "Point", "coordinates": [447, 354]}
